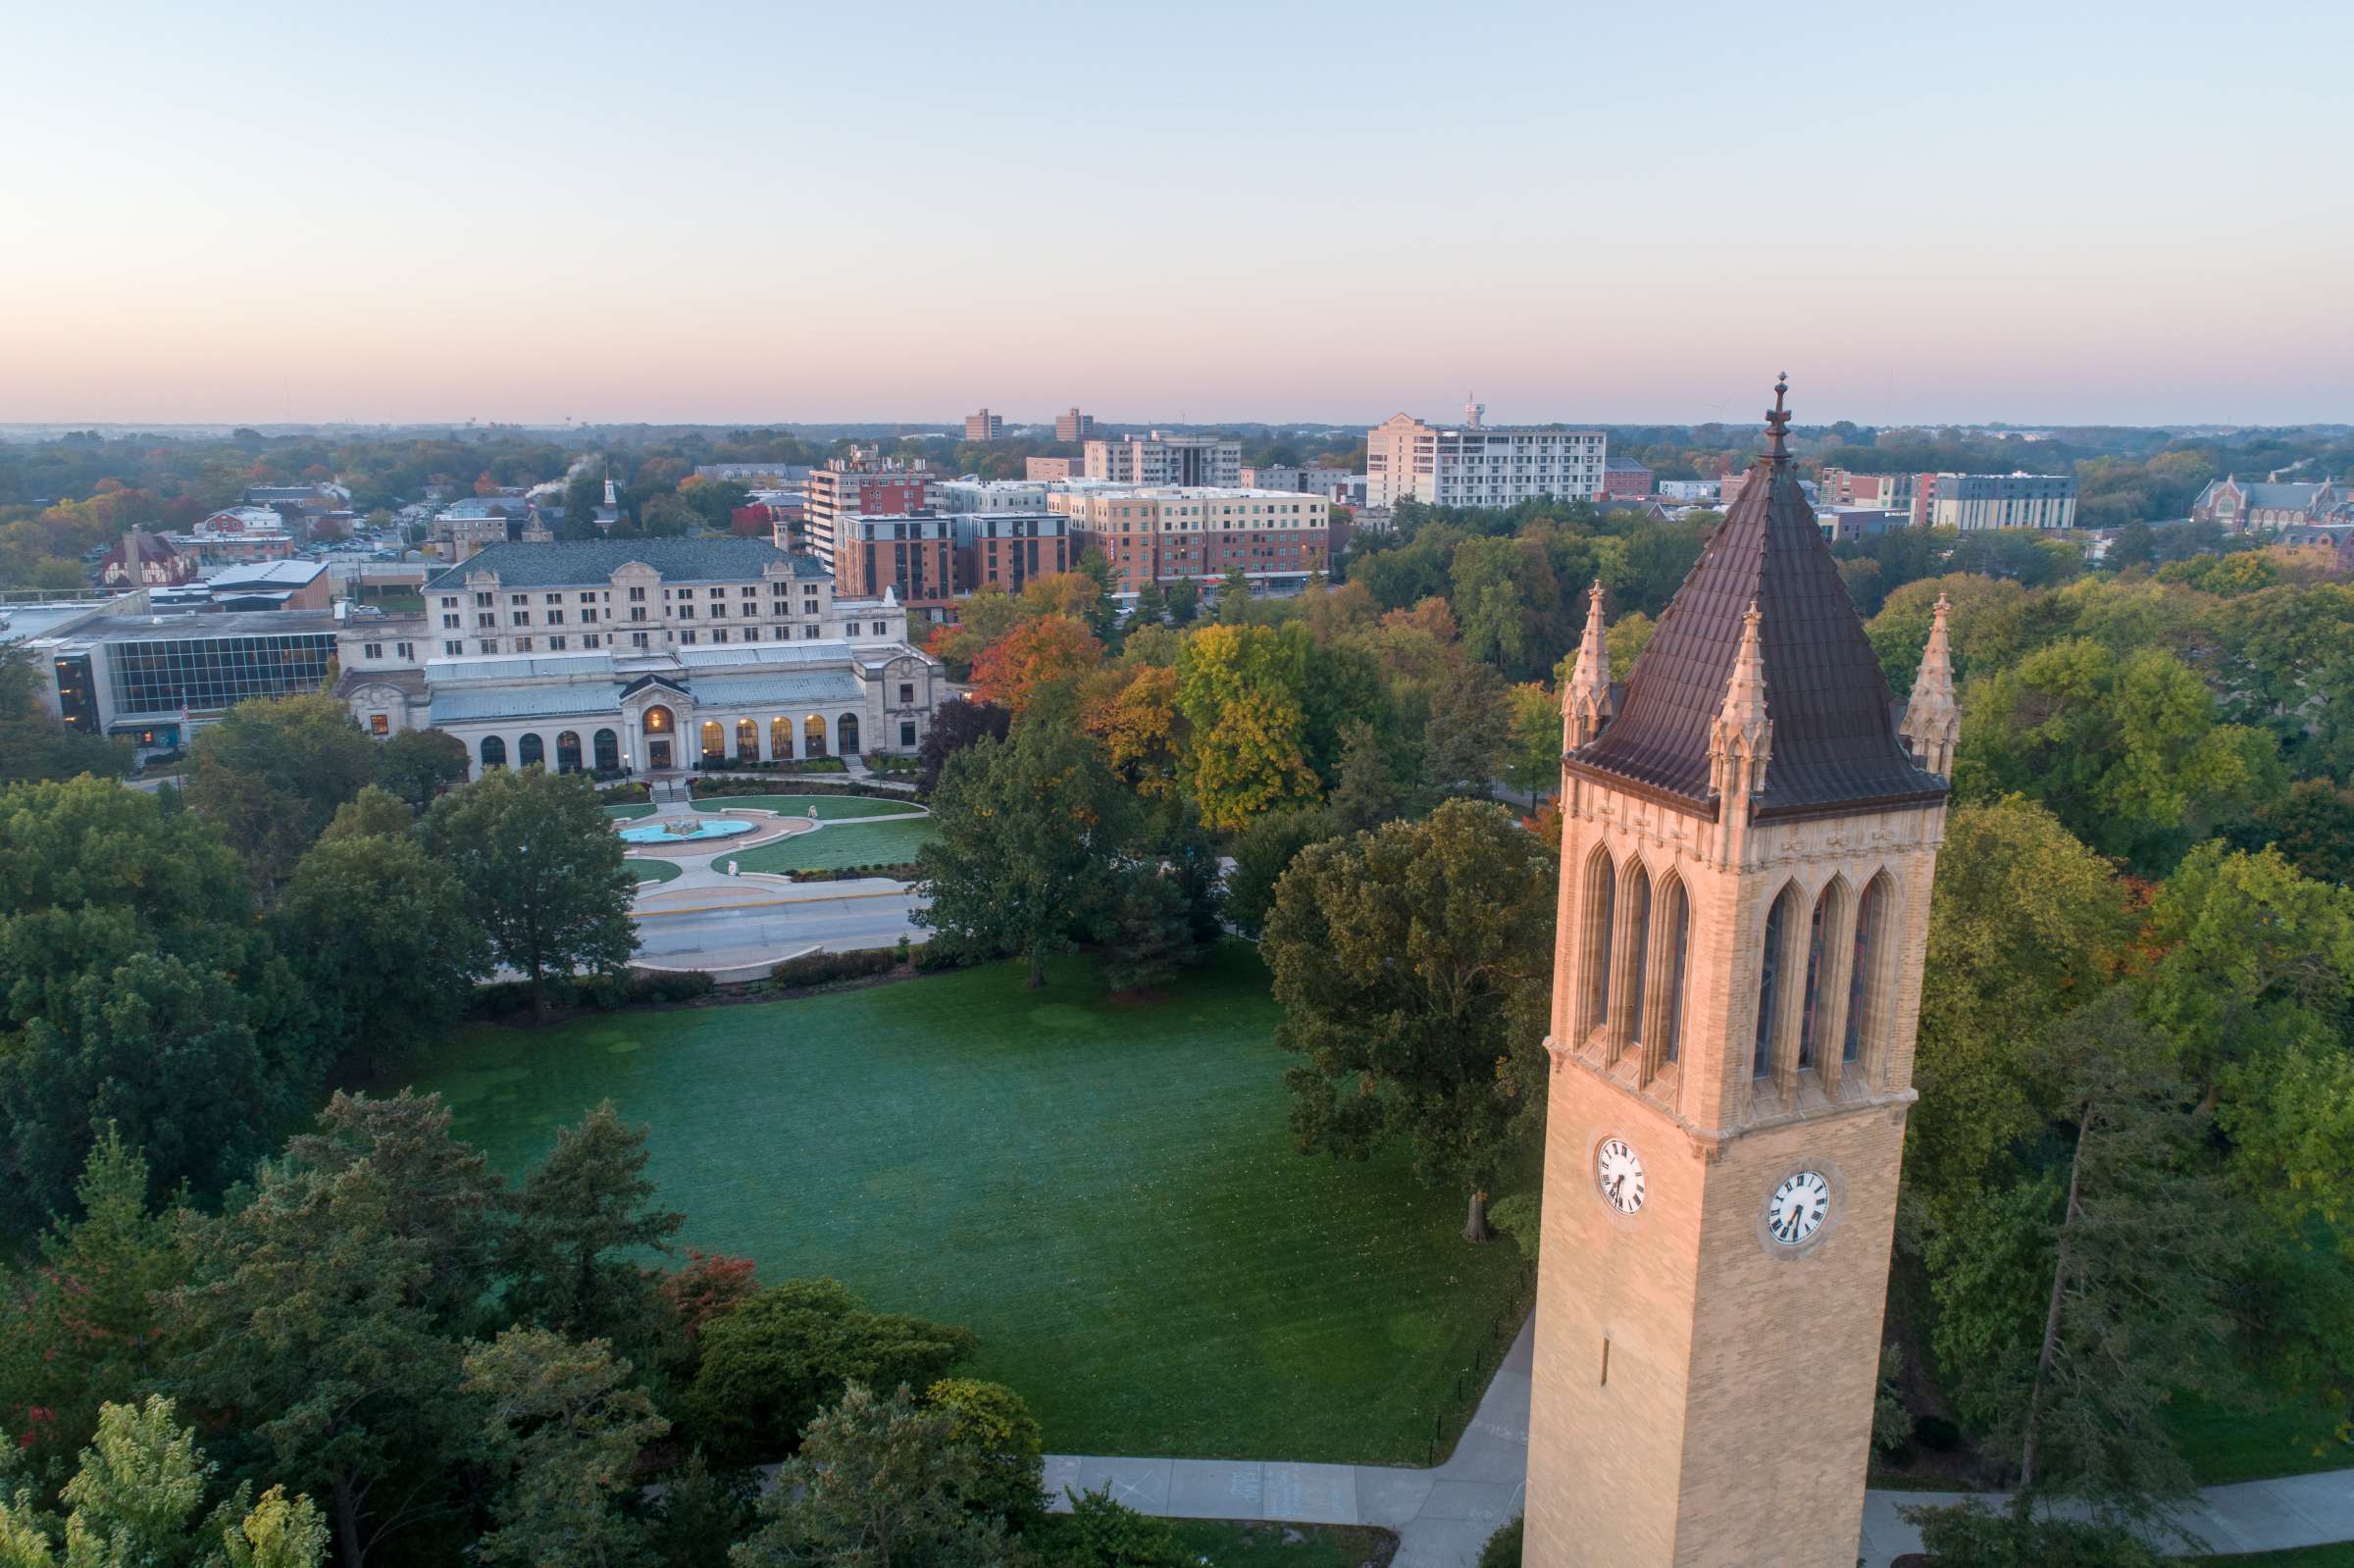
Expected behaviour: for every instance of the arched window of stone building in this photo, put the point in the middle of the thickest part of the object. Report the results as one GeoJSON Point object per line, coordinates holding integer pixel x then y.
{"type": "Point", "coordinates": [780, 739]}
{"type": "Point", "coordinates": [747, 741]}
{"type": "Point", "coordinates": [846, 735]}
{"type": "Point", "coordinates": [658, 721]}
{"type": "Point", "coordinates": [494, 752]}
{"type": "Point", "coordinates": [531, 752]}
{"type": "Point", "coordinates": [1675, 929]}
{"type": "Point", "coordinates": [813, 736]}
{"type": "Point", "coordinates": [1862, 984]}
{"type": "Point", "coordinates": [1814, 1005]}
{"type": "Point", "coordinates": [1636, 956]}
{"type": "Point", "coordinates": [715, 740]}
{"type": "Point", "coordinates": [568, 751]}
{"type": "Point", "coordinates": [608, 752]}
{"type": "Point", "coordinates": [1601, 889]}
{"type": "Point", "coordinates": [1778, 919]}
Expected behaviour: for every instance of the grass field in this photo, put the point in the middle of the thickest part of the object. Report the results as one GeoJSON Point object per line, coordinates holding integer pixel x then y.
{"type": "Point", "coordinates": [1223, 1544]}
{"type": "Point", "coordinates": [2223, 1444]}
{"type": "Point", "coordinates": [2341, 1556]}
{"type": "Point", "coordinates": [876, 844]}
{"type": "Point", "coordinates": [829, 808]}
{"type": "Point", "coordinates": [1107, 1195]}
{"type": "Point", "coordinates": [649, 870]}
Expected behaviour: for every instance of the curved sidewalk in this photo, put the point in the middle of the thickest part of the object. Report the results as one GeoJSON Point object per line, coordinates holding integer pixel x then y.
{"type": "Point", "coordinates": [1443, 1516]}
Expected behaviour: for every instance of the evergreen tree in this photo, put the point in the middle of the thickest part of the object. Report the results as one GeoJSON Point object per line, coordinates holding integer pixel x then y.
{"type": "Point", "coordinates": [1367, 794]}
{"type": "Point", "coordinates": [1184, 601]}
{"type": "Point", "coordinates": [563, 1432]}
{"type": "Point", "coordinates": [1150, 938]}
{"type": "Point", "coordinates": [579, 1210]}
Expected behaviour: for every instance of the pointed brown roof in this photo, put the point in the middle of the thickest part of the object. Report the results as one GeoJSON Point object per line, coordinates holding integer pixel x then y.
{"type": "Point", "coordinates": [1835, 746]}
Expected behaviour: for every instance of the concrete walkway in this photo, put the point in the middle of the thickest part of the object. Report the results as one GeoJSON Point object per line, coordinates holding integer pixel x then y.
{"type": "Point", "coordinates": [1443, 1516]}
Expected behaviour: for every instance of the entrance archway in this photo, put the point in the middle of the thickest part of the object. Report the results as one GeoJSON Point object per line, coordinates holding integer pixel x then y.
{"type": "Point", "coordinates": [531, 752]}
{"type": "Point", "coordinates": [660, 725]}
{"type": "Point", "coordinates": [608, 752]}
{"type": "Point", "coordinates": [846, 733]}
{"type": "Point", "coordinates": [568, 752]}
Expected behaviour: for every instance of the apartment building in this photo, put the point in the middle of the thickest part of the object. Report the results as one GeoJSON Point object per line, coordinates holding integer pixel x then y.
{"type": "Point", "coordinates": [970, 495]}
{"type": "Point", "coordinates": [1335, 484]}
{"type": "Point", "coordinates": [1627, 482]}
{"type": "Point", "coordinates": [1071, 426]}
{"type": "Point", "coordinates": [982, 425]}
{"type": "Point", "coordinates": [1040, 469]}
{"type": "Point", "coordinates": [1005, 549]}
{"type": "Point", "coordinates": [1161, 534]}
{"type": "Point", "coordinates": [1162, 459]}
{"type": "Point", "coordinates": [848, 488]}
{"type": "Point", "coordinates": [1476, 465]}
{"type": "Point", "coordinates": [907, 556]}
{"type": "Point", "coordinates": [1973, 501]}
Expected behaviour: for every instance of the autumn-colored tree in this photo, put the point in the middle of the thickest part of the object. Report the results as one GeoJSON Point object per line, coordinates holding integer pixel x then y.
{"type": "Point", "coordinates": [1034, 654]}
{"type": "Point", "coordinates": [1239, 687]}
{"type": "Point", "coordinates": [710, 1285]}
{"type": "Point", "coordinates": [1143, 733]}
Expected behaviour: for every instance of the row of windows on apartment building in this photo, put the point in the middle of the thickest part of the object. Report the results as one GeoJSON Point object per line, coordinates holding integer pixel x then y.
{"type": "Point", "coordinates": [593, 641]}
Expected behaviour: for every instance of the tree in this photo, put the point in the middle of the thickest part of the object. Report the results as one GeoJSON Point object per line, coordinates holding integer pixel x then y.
{"type": "Point", "coordinates": [2313, 826]}
{"type": "Point", "coordinates": [1184, 601]}
{"type": "Point", "coordinates": [1234, 597]}
{"type": "Point", "coordinates": [1239, 688]}
{"type": "Point", "coordinates": [1149, 938]}
{"type": "Point", "coordinates": [308, 749]}
{"type": "Point", "coordinates": [1532, 761]}
{"type": "Point", "coordinates": [1414, 966]}
{"type": "Point", "coordinates": [1367, 794]}
{"type": "Point", "coordinates": [585, 1203]}
{"type": "Point", "coordinates": [1047, 651]}
{"type": "Point", "coordinates": [1969, 1535]}
{"type": "Point", "coordinates": [381, 933]}
{"type": "Point", "coordinates": [1468, 734]}
{"type": "Point", "coordinates": [880, 1483]}
{"type": "Point", "coordinates": [418, 765]}
{"type": "Point", "coordinates": [2133, 1247]}
{"type": "Point", "coordinates": [1099, 1532]}
{"type": "Point", "coordinates": [1151, 605]}
{"type": "Point", "coordinates": [312, 1329]}
{"type": "Point", "coordinates": [1264, 852]}
{"type": "Point", "coordinates": [770, 1366]}
{"type": "Point", "coordinates": [374, 813]}
{"type": "Point", "coordinates": [138, 1501]}
{"type": "Point", "coordinates": [84, 1327]}
{"type": "Point", "coordinates": [563, 1432]}
{"type": "Point", "coordinates": [1143, 733]}
{"type": "Point", "coordinates": [541, 873]}
{"type": "Point", "coordinates": [2026, 923]}
{"type": "Point", "coordinates": [954, 727]}
{"type": "Point", "coordinates": [1029, 829]}
{"type": "Point", "coordinates": [997, 1426]}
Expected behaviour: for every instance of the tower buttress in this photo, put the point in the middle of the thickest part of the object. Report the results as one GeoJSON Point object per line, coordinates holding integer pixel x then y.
{"type": "Point", "coordinates": [1586, 698]}
{"type": "Point", "coordinates": [1932, 720]}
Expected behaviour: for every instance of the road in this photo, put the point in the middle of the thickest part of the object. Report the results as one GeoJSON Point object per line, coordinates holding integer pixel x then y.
{"type": "Point", "coordinates": [747, 924]}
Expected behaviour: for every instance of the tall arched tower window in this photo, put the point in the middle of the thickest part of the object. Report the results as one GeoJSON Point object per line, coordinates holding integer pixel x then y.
{"type": "Point", "coordinates": [1634, 956]}
{"type": "Point", "coordinates": [1602, 897]}
{"type": "Point", "coordinates": [1813, 1019]}
{"type": "Point", "coordinates": [1675, 922]}
{"type": "Point", "coordinates": [1769, 978]}
{"type": "Point", "coordinates": [1863, 982]}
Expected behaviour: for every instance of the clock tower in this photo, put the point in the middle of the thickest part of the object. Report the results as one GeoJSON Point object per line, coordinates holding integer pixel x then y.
{"type": "Point", "coordinates": [1748, 838]}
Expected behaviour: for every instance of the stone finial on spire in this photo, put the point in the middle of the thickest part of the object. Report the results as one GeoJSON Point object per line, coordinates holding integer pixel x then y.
{"type": "Point", "coordinates": [1777, 420]}
{"type": "Point", "coordinates": [1741, 738]}
{"type": "Point", "coordinates": [1586, 698]}
{"type": "Point", "coordinates": [1932, 720]}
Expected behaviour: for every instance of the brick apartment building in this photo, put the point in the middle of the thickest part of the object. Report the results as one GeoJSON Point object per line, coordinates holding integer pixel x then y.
{"type": "Point", "coordinates": [1278, 538]}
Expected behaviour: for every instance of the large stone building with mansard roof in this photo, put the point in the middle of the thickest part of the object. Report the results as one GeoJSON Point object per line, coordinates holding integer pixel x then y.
{"type": "Point", "coordinates": [1749, 837]}
{"type": "Point", "coordinates": [642, 656]}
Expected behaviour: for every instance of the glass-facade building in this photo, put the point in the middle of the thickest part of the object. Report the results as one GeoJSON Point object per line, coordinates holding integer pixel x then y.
{"type": "Point", "coordinates": [121, 674]}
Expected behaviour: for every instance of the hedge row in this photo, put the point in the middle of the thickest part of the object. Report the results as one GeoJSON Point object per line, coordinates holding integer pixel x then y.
{"type": "Point", "coordinates": [897, 871]}
{"type": "Point", "coordinates": [603, 992]}
{"type": "Point", "coordinates": [719, 788]}
{"type": "Point", "coordinates": [820, 969]}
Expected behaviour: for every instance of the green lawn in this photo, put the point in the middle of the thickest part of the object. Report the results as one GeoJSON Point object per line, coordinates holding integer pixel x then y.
{"type": "Point", "coordinates": [649, 870]}
{"type": "Point", "coordinates": [2223, 1444]}
{"type": "Point", "coordinates": [876, 844]}
{"type": "Point", "coordinates": [2341, 1556]}
{"type": "Point", "coordinates": [1107, 1195]}
{"type": "Point", "coordinates": [641, 809]}
{"type": "Point", "coordinates": [829, 808]}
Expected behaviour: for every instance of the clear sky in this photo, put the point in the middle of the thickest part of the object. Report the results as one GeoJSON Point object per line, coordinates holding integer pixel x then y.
{"type": "Point", "coordinates": [2047, 212]}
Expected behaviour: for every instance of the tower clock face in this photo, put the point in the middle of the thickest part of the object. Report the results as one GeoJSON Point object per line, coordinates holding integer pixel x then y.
{"type": "Point", "coordinates": [1619, 1171]}
{"type": "Point", "coordinates": [1798, 1207]}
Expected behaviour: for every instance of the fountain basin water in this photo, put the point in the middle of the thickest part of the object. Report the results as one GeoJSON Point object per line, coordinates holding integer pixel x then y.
{"type": "Point", "coordinates": [685, 832]}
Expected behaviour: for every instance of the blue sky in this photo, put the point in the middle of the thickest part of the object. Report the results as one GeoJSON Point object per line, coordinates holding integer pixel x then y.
{"type": "Point", "coordinates": [1307, 212]}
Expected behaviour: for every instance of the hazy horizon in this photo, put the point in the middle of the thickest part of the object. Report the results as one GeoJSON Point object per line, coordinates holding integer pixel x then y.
{"type": "Point", "coordinates": [731, 214]}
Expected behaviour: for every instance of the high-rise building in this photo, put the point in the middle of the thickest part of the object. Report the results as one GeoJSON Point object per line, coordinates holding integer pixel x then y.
{"type": "Point", "coordinates": [1973, 501]}
{"type": "Point", "coordinates": [982, 425]}
{"type": "Point", "coordinates": [907, 556]}
{"type": "Point", "coordinates": [847, 487]}
{"type": "Point", "coordinates": [1479, 465]}
{"type": "Point", "coordinates": [1006, 548]}
{"type": "Point", "coordinates": [1163, 459]}
{"type": "Point", "coordinates": [1748, 845]}
{"type": "Point", "coordinates": [1071, 426]}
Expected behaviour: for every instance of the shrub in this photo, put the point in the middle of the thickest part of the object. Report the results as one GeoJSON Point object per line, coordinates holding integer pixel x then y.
{"type": "Point", "coordinates": [1936, 1433]}
{"type": "Point", "coordinates": [630, 793]}
{"type": "Point", "coordinates": [604, 994]}
{"type": "Point", "coordinates": [1099, 1532]}
{"type": "Point", "coordinates": [1968, 1535]}
{"type": "Point", "coordinates": [822, 967]}
{"type": "Point", "coordinates": [1502, 1549]}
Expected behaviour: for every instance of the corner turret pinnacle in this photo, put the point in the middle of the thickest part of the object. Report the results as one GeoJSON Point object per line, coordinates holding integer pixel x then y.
{"type": "Point", "coordinates": [1932, 719]}
{"type": "Point", "coordinates": [1741, 740]}
{"type": "Point", "coordinates": [1586, 698]}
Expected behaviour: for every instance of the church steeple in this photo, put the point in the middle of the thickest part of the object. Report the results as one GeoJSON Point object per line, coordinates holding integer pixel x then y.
{"type": "Point", "coordinates": [1586, 698]}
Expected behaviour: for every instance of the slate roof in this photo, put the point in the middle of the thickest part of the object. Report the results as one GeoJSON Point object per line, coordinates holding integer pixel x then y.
{"type": "Point", "coordinates": [523, 703]}
{"type": "Point", "coordinates": [582, 562]}
{"type": "Point", "coordinates": [785, 690]}
{"type": "Point", "coordinates": [1834, 743]}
